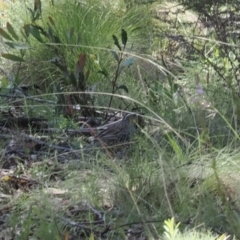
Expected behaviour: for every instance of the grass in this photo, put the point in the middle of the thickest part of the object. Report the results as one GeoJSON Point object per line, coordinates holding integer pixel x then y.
{"type": "Point", "coordinates": [184, 164]}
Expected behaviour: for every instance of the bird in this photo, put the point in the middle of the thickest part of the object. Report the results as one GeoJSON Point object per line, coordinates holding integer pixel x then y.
{"type": "Point", "coordinates": [115, 135]}
{"type": "Point", "coordinates": [121, 130]}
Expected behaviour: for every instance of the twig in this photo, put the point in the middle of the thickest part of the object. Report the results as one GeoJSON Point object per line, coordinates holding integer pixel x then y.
{"type": "Point", "coordinates": [27, 97]}
{"type": "Point", "coordinates": [45, 143]}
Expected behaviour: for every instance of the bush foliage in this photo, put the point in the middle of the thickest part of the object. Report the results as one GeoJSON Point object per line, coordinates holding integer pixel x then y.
{"type": "Point", "coordinates": [75, 65]}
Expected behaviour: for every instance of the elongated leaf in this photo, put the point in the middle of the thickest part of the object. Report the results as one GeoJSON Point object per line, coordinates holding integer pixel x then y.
{"type": "Point", "coordinates": [22, 52]}
{"type": "Point", "coordinates": [123, 87]}
{"type": "Point", "coordinates": [17, 45]}
{"type": "Point", "coordinates": [79, 39]}
{"type": "Point", "coordinates": [80, 65]}
{"type": "Point", "coordinates": [61, 67]}
{"type": "Point", "coordinates": [12, 57]}
{"type": "Point", "coordinates": [116, 42]}
{"type": "Point", "coordinates": [12, 31]}
{"type": "Point", "coordinates": [34, 31]}
{"type": "Point", "coordinates": [50, 33]}
{"type": "Point", "coordinates": [5, 35]}
{"type": "Point", "coordinates": [4, 82]}
{"type": "Point", "coordinates": [27, 29]}
{"type": "Point", "coordinates": [31, 13]}
{"type": "Point", "coordinates": [37, 10]}
{"type": "Point", "coordinates": [124, 37]}
{"type": "Point", "coordinates": [115, 55]}
{"type": "Point", "coordinates": [37, 6]}
{"type": "Point", "coordinates": [69, 34]}
{"type": "Point", "coordinates": [73, 80]}
{"type": "Point", "coordinates": [82, 61]}
{"type": "Point", "coordinates": [41, 30]}
{"type": "Point", "coordinates": [51, 20]}
{"type": "Point", "coordinates": [175, 87]}
{"type": "Point", "coordinates": [87, 75]}
{"type": "Point", "coordinates": [81, 82]}
{"type": "Point", "coordinates": [37, 16]}
{"type": "Point", "coordinates": [127, 63]}
{"type": "Point", "coordinates": [104, 72]}
{"type": "Point", "coordinates": [56, 39]}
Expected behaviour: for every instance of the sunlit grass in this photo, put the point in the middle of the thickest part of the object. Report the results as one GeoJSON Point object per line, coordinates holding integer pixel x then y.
{"type": "Point", "coordinates": [184, 164]}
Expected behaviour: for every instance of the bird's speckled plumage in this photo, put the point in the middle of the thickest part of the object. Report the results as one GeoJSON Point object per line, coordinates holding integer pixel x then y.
{"type": "Point", "coordinates": [115, 137]}
{"type": "Point", "coordinates": [120, 131]}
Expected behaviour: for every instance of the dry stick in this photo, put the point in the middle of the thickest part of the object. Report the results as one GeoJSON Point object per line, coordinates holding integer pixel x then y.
{"type": "Point", "coordinates": [27, 97]}
{"type": "Point", "coordinates": [72, 132]}
{"type": "Point", "coordinates": [45, 143]}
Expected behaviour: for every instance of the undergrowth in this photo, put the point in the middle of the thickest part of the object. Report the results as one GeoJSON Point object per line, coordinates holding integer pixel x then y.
{"type": "Point", "coordinates": [76, 61]}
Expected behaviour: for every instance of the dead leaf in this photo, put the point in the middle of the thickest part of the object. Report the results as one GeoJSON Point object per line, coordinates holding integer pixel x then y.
{"type": "Point", "coordinates": [55, 191]}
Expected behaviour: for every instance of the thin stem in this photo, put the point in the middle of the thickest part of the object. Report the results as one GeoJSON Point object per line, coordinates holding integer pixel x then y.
{"type": "Point", "coordinates": [116, 76]}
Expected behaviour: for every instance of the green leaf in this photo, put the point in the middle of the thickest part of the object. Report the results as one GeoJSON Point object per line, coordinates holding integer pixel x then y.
{"type": "Point", "coordinates": [123, 87]}
{"type": "Point", "coordinates": [27, 29]}
{"type": "Point", "coordinates": [41, 30]}
{"type": "Point", "coordinates": [63, 68]}
{"type": "Point", "coordinates": [31, 13]}
{"type": "Point", "coordinates": [127, 63]}
{"type": "Point", "coordinates": [34, 31]}
{"type": "Point", "coordinates": [69, 34]}
{"type": "Point", "coordinates": [23, 33]}
{"type": "Point", "coordinates": [104, 72]}
{"type": "Point", "coordinates": [12, 31]}
{"type": "Point", "coordinates": [175, 87]}
{"type": "Point", "coordinates": [79, 39]}
{"type": "Point", "coordinates": [73, 80]}
{"type": "Point", "coordinates": [37, 10]}
{"type": "Point", "coordinates": [37, 16]}
{"type": "Point", "coordinates": [12, 57]}
{"type": "Point", "coordinates": [4, 82]}
{"type": "Point", "coordinates": [5, 35]}
{"type": "Point", "coordinates": [22, 52]}
{"type": "Point", "coordinates": [115, 55]}
{"type": "Point", "coordinates": [56, 39]}
{"type": "Point", "coordinates": [176, 148]}
{"type": "Point", "coordinates": [50, 33]}
{"type": "Point", "coordinates": [17, 45]}
{"type": "Point", "coordinates": [124, 37]}
{"type": "Point", "coordinates": [116, 42]}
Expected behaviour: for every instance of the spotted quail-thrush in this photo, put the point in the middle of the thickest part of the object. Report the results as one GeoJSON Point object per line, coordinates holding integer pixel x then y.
{"type": "Point", "coordinates": [119, 132]}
